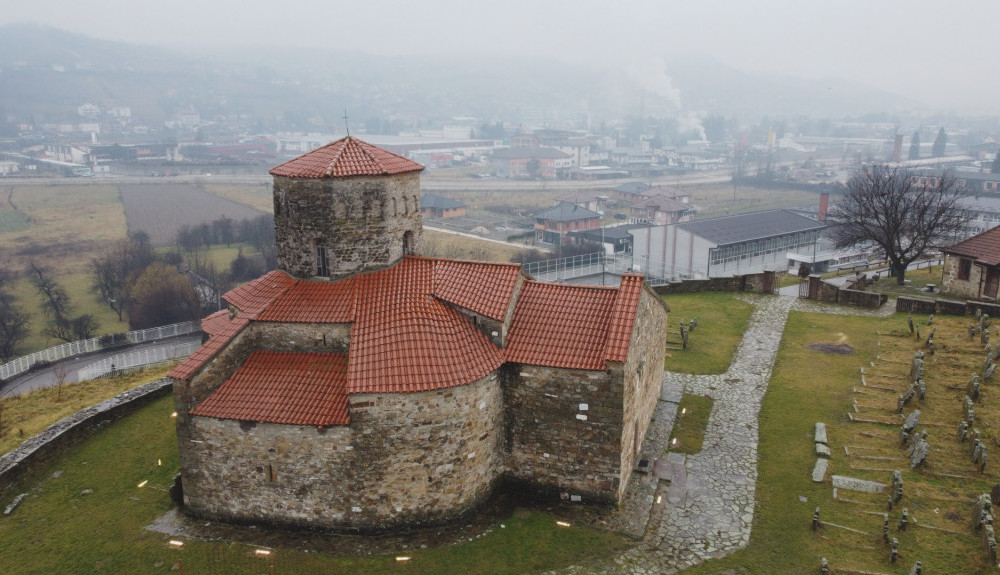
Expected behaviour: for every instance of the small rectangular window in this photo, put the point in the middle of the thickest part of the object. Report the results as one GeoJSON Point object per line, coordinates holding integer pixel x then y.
{"type": "Point", "coordinates": [322, 261]}
{"type": "Point", "coordinates": [964, 269]}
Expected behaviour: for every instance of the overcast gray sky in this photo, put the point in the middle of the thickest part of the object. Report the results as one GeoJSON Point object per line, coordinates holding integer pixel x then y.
{"type": "Point", "coordinates": [941, 53]}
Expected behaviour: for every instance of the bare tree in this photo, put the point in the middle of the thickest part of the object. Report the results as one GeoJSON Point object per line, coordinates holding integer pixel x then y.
{"type": "Point", "coordinates": [57, 303]}
{"type": "Point", "coordinates": [13, 326]}
{"type": "Point", "coordinates": [58, 307]}
{"type": "Point", "coordinates": [118, 266]}
{"type": "Point", "coordinates": [883, 206]}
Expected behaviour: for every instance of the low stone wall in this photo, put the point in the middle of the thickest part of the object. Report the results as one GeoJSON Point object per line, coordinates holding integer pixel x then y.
{"type": "Point", "coordinates": [828, 292]}
{"type": "Point", "coordinates": [861, 298]}
{"type": "Point", "coordinates": [916, 305]}
{"type": "Point", "coordinates": [945, 307]}
{"type": "Point", "coordinates": [760, 282]}
{"type": "Point", "coordinates": [69, 431]}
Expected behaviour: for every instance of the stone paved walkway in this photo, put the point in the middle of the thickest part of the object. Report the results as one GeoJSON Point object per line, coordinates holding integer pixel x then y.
{"type": "Point", "coordinates": [708, 498]}
{"type": "Point", "coordinates": [707, 510]}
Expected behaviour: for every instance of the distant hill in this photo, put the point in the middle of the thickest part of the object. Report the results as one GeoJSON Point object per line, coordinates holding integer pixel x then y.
{"type": "Point", "coordinates": [45, 74]}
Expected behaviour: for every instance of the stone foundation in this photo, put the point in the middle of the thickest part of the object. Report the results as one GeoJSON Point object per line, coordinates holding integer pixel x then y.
{"type": "Point", "coordinates": [405, 459]}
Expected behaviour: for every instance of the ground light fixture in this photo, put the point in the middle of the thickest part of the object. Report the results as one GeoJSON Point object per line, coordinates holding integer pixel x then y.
{"type": "Point", "coordinates": [262, 552]}
{"type": "Point", "coordinates": [175, 543]}
{"type": "Point", "coordinates": [402, 558]}
{"type": "Point", "coordinates": [562, 523]}
{"type": "Point", "coordinates": [143, 483]}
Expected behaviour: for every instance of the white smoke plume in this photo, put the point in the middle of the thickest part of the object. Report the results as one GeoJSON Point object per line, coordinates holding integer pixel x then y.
{"type": "Point", "coordinates": [662, 97]}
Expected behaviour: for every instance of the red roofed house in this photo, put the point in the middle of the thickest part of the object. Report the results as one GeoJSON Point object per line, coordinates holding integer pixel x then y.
{"type": "Point", "coordinates": [972, 267]}
{"type": "Point", "coordinates": [361, 387]}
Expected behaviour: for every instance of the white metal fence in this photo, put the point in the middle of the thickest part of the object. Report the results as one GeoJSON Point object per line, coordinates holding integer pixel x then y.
{"type": "Point", "coordinates": [24, 363]}
{"type": "Point", "coordinates": [127, 362]}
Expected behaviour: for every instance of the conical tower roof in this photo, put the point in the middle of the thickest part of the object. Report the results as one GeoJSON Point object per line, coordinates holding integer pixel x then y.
{"type": "Point", "coordinates": [345, 158]}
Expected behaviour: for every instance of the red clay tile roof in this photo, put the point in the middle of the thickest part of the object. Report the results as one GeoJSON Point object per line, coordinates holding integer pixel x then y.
{"type": "Point", "coordinates": [315, 302]}
{"type": "Point", "coordinates": [406, 335]}
{"type": "Point", "coordinates": [984, 248]}
{"type": "Point", "coordinates": [283, 387]}
{"type": "Point", "coordinates": [403, 339]}
{"type": "Point", "coordinates": [221, 330]}
{"type": "Point", "coordinates": [345, 158]}
{"type": "Point", "coordinates": [485, 288]}
{"type": "Point", "coordinates": [559, 325]}
{"type": "Point", "coordinates": [250, 299]}
{"type": "Point", "coordinates": [253, 297]}
{"type": "Point", "coordinates": [623, 318]}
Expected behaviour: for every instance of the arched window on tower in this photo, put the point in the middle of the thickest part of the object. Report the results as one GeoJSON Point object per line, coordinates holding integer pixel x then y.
{"type": "Point", "coordinates": [406, 206]}
{"type": "Point", "coordinates": [322, 260]}
{"type": "Point", "coordinates": [408, 243]}
{"type": "Point", "coordinates": [394, 212]}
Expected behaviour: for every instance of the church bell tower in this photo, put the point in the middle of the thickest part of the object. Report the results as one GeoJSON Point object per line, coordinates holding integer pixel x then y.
{"type": "Point", "coordinates": [345, 208]}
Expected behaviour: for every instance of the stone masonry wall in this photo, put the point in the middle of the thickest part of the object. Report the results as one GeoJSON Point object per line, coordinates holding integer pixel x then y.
{"type": "Point", "coordinates": [747, 282]}
{"type": "Point", "coordinates": [643, 376]}
{"type": "Point", "coordinates": [945, 307]}
{"type": "Point", "coordinates": [405, 459]}
{"type": "Point", "coordinates": [564, 431]}
{"type": "Point", "coordinates": [963, 288]}
{"type": "Point", "coordinates": [317, 337]}
{"type": "Point", "coordinates": [362, 222]}
{"type": "Point", "coordinates": [861, 298]}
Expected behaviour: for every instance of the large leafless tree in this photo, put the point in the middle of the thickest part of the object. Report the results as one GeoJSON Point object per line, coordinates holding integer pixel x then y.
{"type": "Point", "coordinates": [887, 207]}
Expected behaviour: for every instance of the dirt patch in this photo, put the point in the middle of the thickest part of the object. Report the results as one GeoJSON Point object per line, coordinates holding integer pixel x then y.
{"type": "Point", "coordinates": [837, 348]}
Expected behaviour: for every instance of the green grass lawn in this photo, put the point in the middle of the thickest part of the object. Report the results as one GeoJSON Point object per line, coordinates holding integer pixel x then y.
{"type": "Point", "coordinates": [722, 319]}
{"type": "Point", "coordinates": [23, 416]}
{"type": "Point", "coordinates": [86, 513]}
{"type": "Point", "coordinates": [84, 299]}
{"type": "Point", "coordinates": [809, 386]}
{"type": "Point", "coordinates": [797, 397]}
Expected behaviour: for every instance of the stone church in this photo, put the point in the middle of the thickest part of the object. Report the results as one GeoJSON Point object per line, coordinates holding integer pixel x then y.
{"type": "Point", "coordinates": [363, 387]}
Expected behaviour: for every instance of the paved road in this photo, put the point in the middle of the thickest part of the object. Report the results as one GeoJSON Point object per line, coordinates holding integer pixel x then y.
{"type": "Point", "coordinates": [429, 181]}
{"type": "Point", "coordinates": [66, 370]}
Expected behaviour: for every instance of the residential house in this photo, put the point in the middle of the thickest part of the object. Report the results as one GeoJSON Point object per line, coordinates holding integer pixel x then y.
{"type": "Point", "coordinates": [595, 202]}
{"type": "Point", "coordinates": [972, 266]}
{"type": "Point", "coordinates": [438, 207]}
{"type": "Point", "coordinates": [968, 182]}
{"type": "Point", "coordinates": [553, 224]}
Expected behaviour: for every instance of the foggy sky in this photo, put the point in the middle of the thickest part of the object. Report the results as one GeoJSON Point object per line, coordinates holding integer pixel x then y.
{"type": "Point", "coordinates": [941, 53]}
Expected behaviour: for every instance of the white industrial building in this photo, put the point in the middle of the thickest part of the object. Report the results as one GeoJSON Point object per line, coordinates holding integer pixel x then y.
{"type": "Point", "coordinates": [716, 247]}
